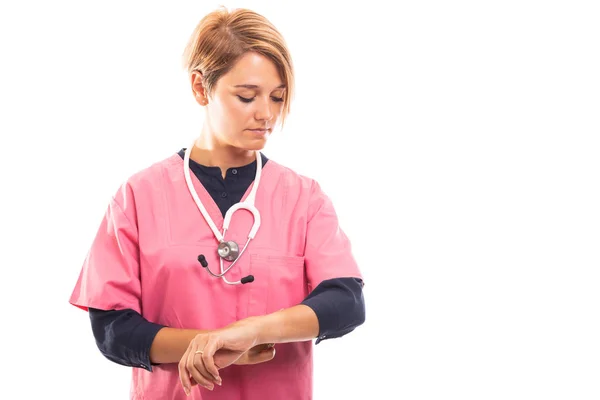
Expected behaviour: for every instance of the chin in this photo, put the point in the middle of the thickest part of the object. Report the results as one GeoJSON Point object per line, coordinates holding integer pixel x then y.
{"type": "Point", "coordinates": [255, 144]}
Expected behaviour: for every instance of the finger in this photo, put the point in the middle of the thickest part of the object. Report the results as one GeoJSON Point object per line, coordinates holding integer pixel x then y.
{"type": "Point", "coordinates": [196, 369]}
{"type": "Point", "coordinates": [269, 354]}
{"type": "Point", "coordinates": [208, 358]}
{"type": "Point", "coordinates": [224, 358]}
{"type": "Point", "coordinates": [258, 348]}
{"type": "Point", "coordinates": [184, 376]}
{"type": "Point", "coordinates": [263, 356]}
{"type": "Point", "coordinates": [201, 368]}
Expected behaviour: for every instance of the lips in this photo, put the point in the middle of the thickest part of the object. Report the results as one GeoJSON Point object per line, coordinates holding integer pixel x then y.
{"type": "Point", "coordinates": [260, 130]}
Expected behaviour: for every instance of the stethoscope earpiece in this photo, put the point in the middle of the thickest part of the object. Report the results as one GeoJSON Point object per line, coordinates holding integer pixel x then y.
{"type": "Point", "coordinates": [204, 263]}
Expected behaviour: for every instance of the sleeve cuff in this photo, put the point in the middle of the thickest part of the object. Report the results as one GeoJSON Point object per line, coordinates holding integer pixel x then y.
{"type": "Point", "coordinates": [339, 306]}
{"type": "Point", "coordinates": [124, 336]}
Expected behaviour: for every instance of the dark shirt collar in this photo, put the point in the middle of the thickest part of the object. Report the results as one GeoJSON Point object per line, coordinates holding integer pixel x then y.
{"type": "Point", "coordinates": [242, 172]}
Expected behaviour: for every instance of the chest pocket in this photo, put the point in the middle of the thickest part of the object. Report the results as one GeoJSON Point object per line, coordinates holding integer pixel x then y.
{"type": "Point", "coordinates": [280, 282]}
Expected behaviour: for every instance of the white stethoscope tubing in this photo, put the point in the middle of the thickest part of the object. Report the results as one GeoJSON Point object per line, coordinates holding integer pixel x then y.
{"type": "Point", "coordinates": [247, 204]}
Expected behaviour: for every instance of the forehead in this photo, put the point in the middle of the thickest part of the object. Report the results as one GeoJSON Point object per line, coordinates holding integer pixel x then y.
{"type": "Point", "coordinates": [253, 69]}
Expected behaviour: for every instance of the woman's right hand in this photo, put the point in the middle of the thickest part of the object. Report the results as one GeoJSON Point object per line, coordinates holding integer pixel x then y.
{"type": "Point", "coordinates": [200, 363]}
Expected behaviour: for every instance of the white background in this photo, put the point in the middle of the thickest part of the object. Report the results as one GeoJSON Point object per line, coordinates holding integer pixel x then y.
{"type": "Point", "coordinates": [458, 141]}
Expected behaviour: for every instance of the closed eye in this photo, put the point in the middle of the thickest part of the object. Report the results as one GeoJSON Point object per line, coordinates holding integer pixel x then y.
{"type": "Point", "coordinates": [250, 100]}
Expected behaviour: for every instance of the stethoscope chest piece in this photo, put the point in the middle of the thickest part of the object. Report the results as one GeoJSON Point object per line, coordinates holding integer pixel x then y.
{"type": "Point", "coordinates": [228, 250]}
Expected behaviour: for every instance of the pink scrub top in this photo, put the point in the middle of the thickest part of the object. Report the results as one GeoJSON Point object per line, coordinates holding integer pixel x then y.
{"type": "Point", "coordinates": [144, 257]}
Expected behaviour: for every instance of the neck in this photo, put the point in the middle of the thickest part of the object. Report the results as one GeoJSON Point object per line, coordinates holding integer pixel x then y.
{"type": "Point", "coordinates": [210, 152]}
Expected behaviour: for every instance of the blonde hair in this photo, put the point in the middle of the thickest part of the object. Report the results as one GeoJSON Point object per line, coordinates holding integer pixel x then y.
{"type": "Point", "coordinates": [223, 36]}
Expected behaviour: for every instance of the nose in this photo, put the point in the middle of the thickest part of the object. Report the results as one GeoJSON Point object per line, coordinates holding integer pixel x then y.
{"type": "Point", "coordinates": [264, 110]}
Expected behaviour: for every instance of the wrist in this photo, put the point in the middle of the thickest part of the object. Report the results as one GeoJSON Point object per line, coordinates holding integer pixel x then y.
{"type": "Point", "coordinates": [267, 328]}
{"type": "Point", "coordinates": [252, 327]}
{"type": "Point", "coordinates": [259, 328]}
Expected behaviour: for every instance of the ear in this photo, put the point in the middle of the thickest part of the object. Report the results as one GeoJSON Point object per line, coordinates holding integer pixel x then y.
{"type": "Point", "coordinates": [198, 89]}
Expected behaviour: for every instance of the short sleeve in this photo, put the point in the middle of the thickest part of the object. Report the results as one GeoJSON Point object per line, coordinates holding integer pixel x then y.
{"type": "Point", "coordinates": [110, 276]}
{"type": "Point", "coordinates": [328, 251]}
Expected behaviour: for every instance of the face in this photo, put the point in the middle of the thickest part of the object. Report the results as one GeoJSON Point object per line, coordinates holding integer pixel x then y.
{"type": "Point", "coordinates": [246, 103]}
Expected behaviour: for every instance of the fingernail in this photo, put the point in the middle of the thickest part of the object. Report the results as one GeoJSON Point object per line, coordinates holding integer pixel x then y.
{"type": "Point", "coordinates": [186, 390]}
{"type": "Point", "coordinates": [219, 382]}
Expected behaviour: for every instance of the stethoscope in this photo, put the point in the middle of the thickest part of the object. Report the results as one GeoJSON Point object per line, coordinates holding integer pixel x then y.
{"type": "Point", "coordinates": [227, 250]}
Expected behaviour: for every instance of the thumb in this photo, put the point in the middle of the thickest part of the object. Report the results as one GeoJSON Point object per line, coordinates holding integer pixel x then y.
{"type": "Point", "coordinates": [264, 355]}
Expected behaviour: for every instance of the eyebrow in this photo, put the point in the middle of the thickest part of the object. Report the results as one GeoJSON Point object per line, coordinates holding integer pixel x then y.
{"type": "Point", "coordinates": [256, 86]}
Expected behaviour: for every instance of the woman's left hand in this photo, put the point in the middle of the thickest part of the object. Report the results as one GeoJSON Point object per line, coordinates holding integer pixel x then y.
{"type": "Point", "coordinates": [209, 352]}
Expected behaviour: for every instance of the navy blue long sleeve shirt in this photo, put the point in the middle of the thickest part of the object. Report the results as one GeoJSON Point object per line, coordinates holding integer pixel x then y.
{"type": "Point", "coordinates": [125, 337]}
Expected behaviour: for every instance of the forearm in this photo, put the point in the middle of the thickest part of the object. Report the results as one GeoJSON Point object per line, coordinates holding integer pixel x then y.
{"type": "Point", "coordinates": [294, 324]}
{"type": "Point", "coordinates": [170, 344]}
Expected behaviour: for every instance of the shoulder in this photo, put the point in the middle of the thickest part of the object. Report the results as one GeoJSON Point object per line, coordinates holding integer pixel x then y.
{"type": "Point", "coordinates": [155, 170]}
{"type": "Point", "coordinates": [146, 179]}
{"type": "Point", "coordinates": [293, 180]}
{"type": "Point", "coordinates": [303, 191]}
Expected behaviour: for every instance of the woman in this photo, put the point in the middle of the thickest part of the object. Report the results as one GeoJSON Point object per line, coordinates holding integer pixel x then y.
{"type": "Point", "coordinates": [209, 262]}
